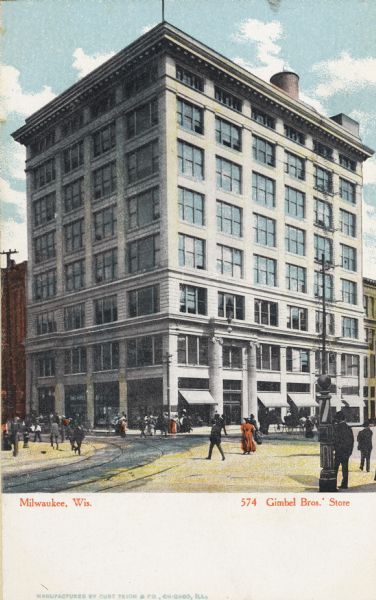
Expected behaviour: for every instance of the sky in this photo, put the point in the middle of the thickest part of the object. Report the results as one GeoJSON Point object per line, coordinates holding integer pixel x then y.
{"type": "Point", "coordinates": [48, 45]}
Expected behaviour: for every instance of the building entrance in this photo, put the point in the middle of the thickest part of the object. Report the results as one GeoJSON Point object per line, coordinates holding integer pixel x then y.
{"type": "Point", "coordinates": [106, 403]}
{"type": "Point", "coordinates": [145, 397]}
{"type": "Point", "coordinates": [75, 402]}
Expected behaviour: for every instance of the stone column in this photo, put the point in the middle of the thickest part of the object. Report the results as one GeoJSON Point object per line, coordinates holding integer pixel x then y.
{"type": "Point", "coordinates": [252, 380]}
{"type": "Point", "coordinates": [31, 384]}
{"type": "Point", "coordinates": [283, 375]}
{"type": "Point", "coordinates": [215, 372]}
{"type": "Point", "coordinates": [123, 397]}
{"type": "Point", "coordinates": [89, 385]}
{"type": "Point", "coordinates": [59, 386]}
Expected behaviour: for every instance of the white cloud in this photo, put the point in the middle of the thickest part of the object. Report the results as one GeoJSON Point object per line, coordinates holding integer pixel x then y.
{"type": "Point", "coordinates": [11, 196]}
{"type": "Point", "coordinates": [369, 171]}
{"type": "Point", "coordinates": [345, 73]}
{"type": "Point", "coordinates": [14, 236]}
{"type": "Point", "coordinates": [12, 97]}
{"type": "Point", "coordinates": [369, 241]}
{"type": "Point", "coordinates": [15, 156]}
{"type": "Point", "coordinates": [84, 63]}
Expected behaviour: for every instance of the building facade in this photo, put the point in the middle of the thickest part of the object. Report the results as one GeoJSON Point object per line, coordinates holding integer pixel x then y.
{"type": "Point", "coordinates": [369, 287]}
{"type": "Point", "coordinates": [178, 212]}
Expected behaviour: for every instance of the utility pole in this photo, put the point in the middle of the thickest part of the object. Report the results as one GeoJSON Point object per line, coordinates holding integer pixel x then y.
{"type": "Point", "coordinates": [323, 349]}
{"type": "Point", "coordinates": [10, 404]}
{"type": "Point", "coordinates": [163, 11]}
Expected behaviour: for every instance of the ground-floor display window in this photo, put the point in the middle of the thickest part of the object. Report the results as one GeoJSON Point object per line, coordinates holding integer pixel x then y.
{"type": "Point", "coordinates": [75, 402]}
{"type": "Point", "coordinates": [145, 397]}
{"type": "Point", "coordinates": [46, 400]}
{"type": "Point", "coordinates": [232, 398]}
{"type": "Point", "coordinates": [106, 403]}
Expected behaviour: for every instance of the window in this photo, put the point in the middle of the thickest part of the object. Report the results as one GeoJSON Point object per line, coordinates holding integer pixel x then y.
{"type": "Point", "coordinates": [143, 254]}
{"type": "Point", "coordinates": [318, 285]}
{"type": "Point", "coordinates": [260, 117]}
{"type": "Point", "coordinates": [263, 190]}
{"type": "Point", "coordinates": [104, 181]}
{"type": "Point", "coordinates": [74, 235]}
{"type": "Point", "coordinates": [143, 301]}
{"type": "Point", "coordinates": [44, 247]}
{"type": "Point", "coordinates": [295, 240]}
{"type": "Point", "coordinates": [323, 247]}
{"type": "Point", "coordinates": [370, 337]}
{"type": "Point", "coordinates": [323, 214]}
{"type": "Point", "coordinates": [46, 323]}
{"type": "Point", "coordinates": [228, 175]}
{"type": "Point", "coordinates": [190, 160]}
{"type": "Point", "coordinates": [42, 143]}
{"type": "Point", "coordinates": [323, 180]}
{"type": "Point", "coordinates": [105, 310]}
{"type": "Point", "coordinates": [232, 357]}
{"type": "Point", "coordinates": [264, 230]}
{"type": "Point", "coordinates": [140, 79]}
{"type": "Point", "coordinates": [294, 203]}
{"type": "Point", "coordinates": [45, 285]}
{"type": "Point", "coordinates": [349, 327]}
{"type": "Point", "coordinates": [46, 364]}
{"type": "Point", "coordinates": [296, 278]}
{"type": "Point", "coordinates": [141, 119]}
{"type": "Point", "coordinates": [348, 257]}
{"type": "Point", "coordinates": [228, 99]}
{"type": "Point", "coordinates": [191, 206]}
{"type": "Point", "coordinates": [347, 223]}
{"type": "Point", "coordinates": [229, 261]}
{"type": "Point", "coordinates": [349, 291]}
{"type": "Point", "coordinates": [297, 360]}
{"type": "Point", "coordinates": [189, 116]}
{"type": "Point", "coordinates": [350, 365]}
{"type": "Point", "coordinates": [330, 362]}
{"type": "Point", "coordinates": [192, 350]}
{"type": "Point", "coordinates": [263, 151]}
{"type": "Point", "coordinates": [44, 209]}
{"type": "Point", "coordinates": [230, 306]}
{"type": "Point", "coordinates": [229, 219]}
{"type": "Point", "coordinates": [228, 134]}
{"type": "Point", "coordinates": [347, 163]}
{"type": "Point", "coordinates": [268, 386]}
{"type": "Point", "coordinates": [74, 316]}
{"type": "Point", "coordinates": [189, 78]}
{"type": "Point", "coordinates": [75, 276]}
{"type": "Point", "coordinates": [73, 195]}
{"type": "Point", "coordinates": [73, 124]}
{"type": "Point", "coordinates": [75, 360]}
{"type": "Point", "coordinates": [265, 270]}
{"type": "Point", "coordinates": [294, 165]}
{"type": "Point", "coordinates": [143, 162]}
{"type": "Point", "coordinates": [104, 139]}
{"type": "Point", "coordinates": [268, 358]}
{"type": "Point", "coordinates": [143, 208]}
{"type": "Point", "coordinates": [294, 135]}
{"type": "Point", "coordinates": [322, 150]}
{"type": "Point", "coordinates": [44, 173]}
{"type": "Point", "coordinates": [73, 157]}
{"type": "Point", "coordinates": [266, 313]}
{"type": "Point", "coordinates": [144, 351]}
{"type": "Point", "coordinates": [103, 104]}
{"type": "Point", "coordinates": [191, 252]}
{"type": "Point", "coordinates": [106, 356]}
{"type": "Point", "coordinates": [329, 322]}
{"type": "Point", "coordinates": [192, 300]}
{"type": "Point", "coordinates": [297, 318]}
{"type": "Point", "coordinates": [105, 266]}
{"type": "Point", "coordinates": [105, 223]}
{"type": "Point", "coordinates": [347, 190]}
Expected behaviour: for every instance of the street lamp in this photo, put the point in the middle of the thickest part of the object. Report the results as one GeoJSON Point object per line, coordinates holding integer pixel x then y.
{"type": "Point", "coordinates": [328, 476]}
{"type": "Point", "coordinates": [167, 360]}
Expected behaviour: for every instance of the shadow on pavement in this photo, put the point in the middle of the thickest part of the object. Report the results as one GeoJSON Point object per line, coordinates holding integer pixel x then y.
{"type": "Point", "coordinates": [297, 455]}
{"type": "Point", "coordinates": [312, 483]}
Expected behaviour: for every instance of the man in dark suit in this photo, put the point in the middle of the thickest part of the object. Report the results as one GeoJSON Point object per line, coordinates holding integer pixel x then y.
{"type": "Point", "coordinates": [364, 440]}
{"type": "Point", "coordinates": [215, 438]}
{"type": "Point", "coordinates": [343, 447]}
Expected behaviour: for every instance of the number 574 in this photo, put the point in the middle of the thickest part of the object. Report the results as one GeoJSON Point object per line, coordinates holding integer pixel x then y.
{"type": "Point", "coordinates": [248, 502]}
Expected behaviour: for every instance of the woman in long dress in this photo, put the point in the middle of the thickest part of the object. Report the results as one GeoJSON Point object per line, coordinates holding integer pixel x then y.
{"type": "Point", "coordinates": [248, 444]}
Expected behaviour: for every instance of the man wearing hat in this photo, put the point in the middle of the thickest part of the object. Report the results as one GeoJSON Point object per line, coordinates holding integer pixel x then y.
{"type": "Point", "coordinates": [343, 447]}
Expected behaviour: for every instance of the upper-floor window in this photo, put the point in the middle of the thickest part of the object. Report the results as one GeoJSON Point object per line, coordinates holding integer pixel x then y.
{"type": "Point", "coordinates": [323, 214]}
{"type": "Point", "coordinates": [74, 316]}
{"type": "Point", "coordinates": [229, 261]}
{"type": "Point", "coordinates": [104, 139]}
{"type": "Point", "coordinates": [73, 123]}
{"type": "Point", "coordinates": [191, 252]}
{"type": "Point", "coordinates": [138, 80]}
{"type": "Point", "coordinates": [103, 104]}
{"type": "Point", "coordinates": [347, 163]}
{"type": "Point", "coordinates": [349, 327]}
{"type": "Point", "coordinates": [104, 181]}
{"type": "Point", "coordinates": [294, 203]}
{"type": "Point", "coordinates": [190, 116]}
{"type": "Point", "coordinates": [46, 322]}
{"type": "Point", "coordinates": [189, 78]}
{"type": "Point", "coordinates": [296, 278]}
{"type": "Point", "coordinates": [297, 360]}
{"type": "Point", "coordinates": [294, 135]}
{"type": "Point", "coordinates": [349, 291]}
{"type": "Point", "coordinates": [75, 275]}
{"type": "Point", "coordinates": [347, 190]}
{"type": "Point", "coordinates": [264, 230]}
{"type": "Point", "coordinates": [228, 99]}
{"type": "Point", "coordinates": [229, 175]}
{"type": "Point", "coordinates": [141, 118]}
{"type": "Point", "coordinates": [229, 219]}
{"type": "Point", "coordinates": [106, 356]}
{"type": "Point", "coordinates": [323, 180]}
{"type": "Point", "coordinates": [45, 247]}
{"type": "Point", "coordinates": [193, 299]}
{"type": "Point", "coordinates": [190, 160]}
{"type": "Point", "coordinates": [143, 254]}
{"type": "Point", "coordinates": [105, 310]}
{"type": "Point", "coordinates": [42, 143]}
{"type": "Point", "coordinates": [264, 270]}
{"type": "Point", "coordinates": [350, 365]}
{"type": "Point", "coordinates": [295, 240]}
{"type": "Point", "coordinates": [268, 358]}
{"type": "Point", "coordinates": [347, 222]}
{"type": "Point", "coordinates": [105, 265]}
{"type": "Point", "coordinates": [230, 306]}
{"type": "Point", "coordinates": [143, 162]}
{"type": "Point", "coordinates": [348, 257]}
{"type": "Point", "coordinates": [73, 157]}
{"type": "Point", "coordinates": [45, 285]}
{"type": "Point", "coordinates": [319, 285]}
{"type": "Point", "coordinates": [73, 194]}
{"type": "Point", "coordinates": [105, 223]}
{"type": "Point", "coordinates": [44, 173]}
{"type": "Point", "coordinates": [192, 350]}
{"type": "Point", "coordinates": [294, 165]}
{"type": "Point", "coordinates": [297, 318]}
{"type": "Point", "coordinates": [330, 324]}
{"type": "Point", "coordinates": [263, 190]}
{"type": "Point", "coordinates": [144, 351]}
{"type": "Point", "coordinates": [191, 206]}
{"type": "Point", "coordinates": [46, 364]}
{"type": "Point", "coordinates": [266, 313]}
{"type": "Point", "coordinates": [228, 134]}
{"type": "Point", "coordinates": [44, 209]}
{"type": "Point", "coordinates": [143, 208]}
{"type": "Point", "coordinates": [74, 235]}
{"type": "Point", "coordinates": [261, 117]}
{"type": "Point", "coordinates": [143, 301]}
{"type": "Point", "coordinates": [323, 248]}
{"type": "Point", "coordinates": [232, 357]}
{"type": "Point", "coordinates": [330, 362]}
{"type": "Point", "coordinates": [322, 150]}
{"type": "Point", "coordinates": [75, 360]}
{"type": "Point", "coordinates": [263, 151]}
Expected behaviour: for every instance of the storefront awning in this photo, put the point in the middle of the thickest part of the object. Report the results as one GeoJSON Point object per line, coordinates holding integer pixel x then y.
{"type": "Point", "coordinates": [272, 400]}
{"type": "Point", "coordinates": [197, 396]}
{"type": "Point", "coordinates": [302, 400]}
{"type": "Point", "coordinates": [353, 401]}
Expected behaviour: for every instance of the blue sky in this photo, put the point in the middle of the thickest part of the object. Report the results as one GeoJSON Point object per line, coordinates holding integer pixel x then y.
{"type": "Point", "coordinates": [47, 45]}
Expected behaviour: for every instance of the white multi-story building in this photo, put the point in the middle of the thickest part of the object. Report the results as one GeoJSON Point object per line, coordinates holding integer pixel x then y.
{"type": "Point", "coordinates": [178, 211]}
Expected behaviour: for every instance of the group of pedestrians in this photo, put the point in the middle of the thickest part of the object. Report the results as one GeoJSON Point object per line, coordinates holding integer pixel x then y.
{"type": "Point", "coordinates": [344, 445]}
{"type": "Point", "coordinates": [249, 430]}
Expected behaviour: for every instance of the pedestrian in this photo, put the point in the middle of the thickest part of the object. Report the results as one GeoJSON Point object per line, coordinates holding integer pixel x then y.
{"type": "Point", "coordinates": [253, 421]}
{"type": "Point", "coordinates": [54, 434]}
{"type": "Point", "coordinates": [37, 432]}
{"type": "Point", "coordinates": [364, 440]}
{"type": "Point", "coordinates": [343, 447]}
{"type": "Point", "coordinates": [15, 427]}
{"type": "Point", "coordinates": [78, 437]}
{"type": "Point", "coordinates": [150, 425]}
{"type": "Point", "coordinates": [247, 429]}
{"type": "Point", "coordinates": [161, 424]}
{"type": "Point", "coordinates": [221, 420]}
{"type": "Point", "coordinates": [123, 425]}
{"type": "Point", "coordinates": [308, 426]}
{"type": "Point", "coordinates": [215, 439]}
{"type": "Point", "coordinates": [142, 426]}
{"type": "Point", "coordinates": [173, 425]}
